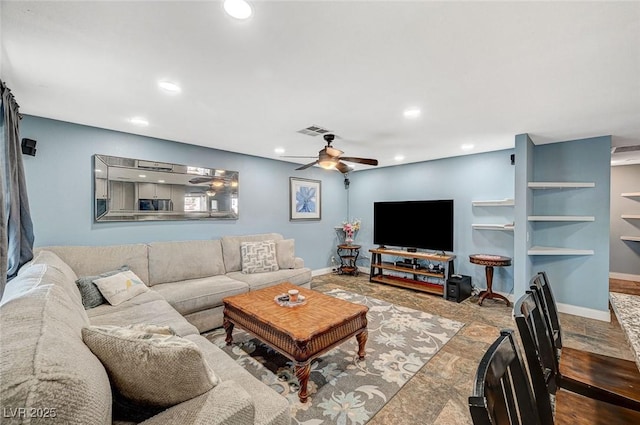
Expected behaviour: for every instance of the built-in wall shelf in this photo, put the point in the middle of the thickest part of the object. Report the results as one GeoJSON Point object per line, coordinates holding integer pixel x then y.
{"type": "Point", "coordinates": [635, 216]}
{"type": "Point", "coordinates": [507, 227]}
{"type": "Point", "coordinates": [630, 238]}
{"type": "Point", "coordinates": [497, 203]}
{"type": "Point", "coordinates": [630, 194]}
{"type": "Point", "coordinates": [559, 185]}
{"type": "Point", "coordinates": [561, 218]}
{"type": "Point", "coordinates": [549, 250]}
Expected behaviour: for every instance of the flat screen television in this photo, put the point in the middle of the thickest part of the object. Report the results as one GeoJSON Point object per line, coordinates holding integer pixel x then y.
{"type": "Point", "coordinates": [414, 224]}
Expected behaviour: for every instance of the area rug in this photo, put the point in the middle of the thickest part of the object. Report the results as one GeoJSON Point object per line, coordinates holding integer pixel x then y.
{"type": "Point", "coordinates": [342, 389]}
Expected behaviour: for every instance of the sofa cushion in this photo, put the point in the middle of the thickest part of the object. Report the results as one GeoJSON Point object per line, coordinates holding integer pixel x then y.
{"type": "Point", "coordinates": [92, 260]}
{"type": "Point", "coordinates": [149, 307]}
{"type": "Point", "coordinates": [91, 295]}
{"type": "Point", "coordinates": [150, 364]}
{"type": "Point", "coordinates": [120, 287]}
{"type": "Point", "coordinates": [258, 257]}
{"type": "Point", "coordinates": [226, 404]}
{"type": "Point", "coordinates": [231, 248]}
{"type": "Point", "coordinates": [270, 407]}
{"type": "Point", "coordinates": [263, 280]}
{"type": "Point", "coordinates": [45, 364]}
{"type": "Point", "coordinates": [286, 253]}
{"type": "Point", "coordinates": [177, 261]}
{"type": "Point", "coordinates": [194, 295]}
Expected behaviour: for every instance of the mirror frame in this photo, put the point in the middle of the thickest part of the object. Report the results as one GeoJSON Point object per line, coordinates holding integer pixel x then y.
{"type": "Point", "coordinates": [128, 189]}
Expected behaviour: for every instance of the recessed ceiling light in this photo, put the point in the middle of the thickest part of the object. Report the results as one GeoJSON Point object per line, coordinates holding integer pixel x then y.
{"type": "Point", "coordinates": [399, 157]}
{"type": "Point", "coordinates": [238, 9]}
{"type": "Point", "coordinates": [467, 147]}
{"type": "Point", "coordinates": [142, 175]}
{"type": "Point", "coordinates": [139, 121]}
{"type": "Point", "coordinates": [411, 113]}
{"type": "Point", "coordinates": [169, 87]}
{"type": "Point", "coordinates": [279, 151]}
{"type": "Point", "coordinates": [160, 181]}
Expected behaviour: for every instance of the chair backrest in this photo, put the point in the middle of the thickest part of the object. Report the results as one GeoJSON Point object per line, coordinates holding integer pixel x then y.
{"type": "Point", "coordinates": [502, 391]}
{"type": "Point", "coordinates": [539, 351]}
{"type": "Point", "coordinates": [541, 287]}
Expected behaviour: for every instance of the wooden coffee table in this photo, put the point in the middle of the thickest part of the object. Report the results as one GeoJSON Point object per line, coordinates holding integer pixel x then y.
{"type": "Point", "coordinates": [300, 333]}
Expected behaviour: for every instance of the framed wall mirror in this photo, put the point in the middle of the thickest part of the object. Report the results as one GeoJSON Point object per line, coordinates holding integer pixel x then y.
{"type": "Point", "coordinates": [127, 189]}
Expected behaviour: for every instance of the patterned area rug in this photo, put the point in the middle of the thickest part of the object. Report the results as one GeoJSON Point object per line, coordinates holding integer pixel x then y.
{"type": "Point", "coordinates": [342, 389]}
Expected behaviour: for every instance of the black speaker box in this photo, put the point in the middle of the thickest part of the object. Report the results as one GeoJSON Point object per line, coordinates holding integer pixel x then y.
{"type": "Point", "coordinates": [29, 147]}
{"type": "Point", "coordinates": [458, 288]}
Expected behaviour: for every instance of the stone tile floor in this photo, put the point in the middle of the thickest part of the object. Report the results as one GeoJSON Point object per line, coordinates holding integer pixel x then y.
{"type": "Point", "coordinates": [438, 393]}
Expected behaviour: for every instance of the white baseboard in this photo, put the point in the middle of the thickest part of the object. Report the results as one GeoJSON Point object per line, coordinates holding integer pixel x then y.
{"type": "Point", "coordinates": [625, 276]}
{"type": "Point", "coordinates": [589, 313]}
{"type": "Point", "coordinates": [320, 272]}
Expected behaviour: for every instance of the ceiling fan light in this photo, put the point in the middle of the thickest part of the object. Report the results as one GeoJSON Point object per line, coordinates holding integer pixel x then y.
{"type": "Point", "coordinates": [328, 164]}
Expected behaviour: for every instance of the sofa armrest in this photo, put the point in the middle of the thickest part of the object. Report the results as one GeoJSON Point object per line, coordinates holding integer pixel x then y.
{"type": "Point", "coordinates": [298, 263]}
{"type": "Point", "coordinates": [226, 403]}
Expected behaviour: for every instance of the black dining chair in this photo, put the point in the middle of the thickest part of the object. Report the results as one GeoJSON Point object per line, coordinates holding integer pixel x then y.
{"type": "Point", "coordinates": [502, 392]}
{"type": "Point", "coordinates": [547, 379]}
{"type": "Point", "coordinates": [594, 375]}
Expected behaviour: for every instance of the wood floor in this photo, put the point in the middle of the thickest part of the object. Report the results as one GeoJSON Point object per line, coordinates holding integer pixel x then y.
{"type": "Point", "coordinates": [438, 393]}
{"type": "Point", "coordinates": [624, 286]}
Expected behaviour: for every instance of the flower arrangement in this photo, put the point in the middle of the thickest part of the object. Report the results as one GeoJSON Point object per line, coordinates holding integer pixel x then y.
{"type": "Point", "coordinates": [350, 229]}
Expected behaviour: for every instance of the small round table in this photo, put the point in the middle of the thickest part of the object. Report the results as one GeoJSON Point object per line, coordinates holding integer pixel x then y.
{"type": "Point", "coordinates": [348, 256]}
{"type": "Point", "coordinates": [490, 261]}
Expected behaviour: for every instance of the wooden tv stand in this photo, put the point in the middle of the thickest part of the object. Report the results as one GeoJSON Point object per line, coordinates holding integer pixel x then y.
{"type": "Point", "coordinates": [409, 277]}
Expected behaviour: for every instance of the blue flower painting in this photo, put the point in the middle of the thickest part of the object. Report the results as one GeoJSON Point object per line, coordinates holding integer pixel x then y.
{"type": "Point", "coordinates": [306, 199]}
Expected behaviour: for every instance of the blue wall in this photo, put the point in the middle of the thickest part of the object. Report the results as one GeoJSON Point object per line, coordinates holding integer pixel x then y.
{"type": "Point", "coordinates": [486, 176]}
{"type": "Point", "coordinates": [581, 281]}
{"type": "Point", "coordinates": [59, 182]}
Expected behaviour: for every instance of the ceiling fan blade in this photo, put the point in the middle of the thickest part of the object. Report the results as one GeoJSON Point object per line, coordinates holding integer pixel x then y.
{"type": "Point", "coordinates": [333, 151]}
{"type": "Point", "coordinates": [198, 180]}
{"type": "Point", "coordinates": [367, 161]}
{"type": "Point", "coordinates": [343, 168]}
{"type": "Point", "coordinates": [304, 167]}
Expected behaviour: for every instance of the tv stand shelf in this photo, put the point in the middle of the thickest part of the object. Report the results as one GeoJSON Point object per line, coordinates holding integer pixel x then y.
{"type": "Point", "coordinates": [410, 276]}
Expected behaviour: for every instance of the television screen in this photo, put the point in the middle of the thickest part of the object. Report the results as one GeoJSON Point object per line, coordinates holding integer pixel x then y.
{"type": "Point", "coordinates": [414, 224]}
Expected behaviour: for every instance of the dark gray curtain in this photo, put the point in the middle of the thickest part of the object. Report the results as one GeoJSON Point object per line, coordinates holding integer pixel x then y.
{"type": "Point", "coordinates": [16, 235]}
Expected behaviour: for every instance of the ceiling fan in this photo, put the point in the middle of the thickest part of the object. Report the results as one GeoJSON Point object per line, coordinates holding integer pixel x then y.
{"type": "Point", "coordinates": [329, 158]}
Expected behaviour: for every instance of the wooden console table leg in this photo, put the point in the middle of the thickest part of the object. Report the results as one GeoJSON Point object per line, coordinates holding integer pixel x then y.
{"type": "Point", "coordinates": [362, 341]}
{"type": "Point", "coordinates": [228, 326]}
{"type": "Point", "coordinates": [302, 373]}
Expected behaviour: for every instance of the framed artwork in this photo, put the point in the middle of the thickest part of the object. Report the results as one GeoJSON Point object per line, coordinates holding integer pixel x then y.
{"type": "Point", "coordinates": [305, 201]}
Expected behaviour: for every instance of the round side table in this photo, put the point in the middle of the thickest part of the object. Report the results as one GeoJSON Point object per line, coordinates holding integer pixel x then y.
{"type": "Point", "coordinates": [348, 255]}
{"type": "Point", "coordinates": [489, 262]}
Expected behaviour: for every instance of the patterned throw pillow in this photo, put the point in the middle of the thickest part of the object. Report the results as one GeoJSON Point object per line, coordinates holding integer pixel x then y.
{"type": "Point", "coordinates": [91, 296]}
{"type": "Point", "coordinates": [120, 287]}
{"type": "Point", "coordinates": [149, 364]}
{"type": "Point", "coordinates": [259, 257]}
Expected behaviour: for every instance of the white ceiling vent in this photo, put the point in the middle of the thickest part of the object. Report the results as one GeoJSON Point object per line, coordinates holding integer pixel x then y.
{"type": "Point", "coordinates": [625, 149]}
{"type": "Point", "coordinates": [314, 130]}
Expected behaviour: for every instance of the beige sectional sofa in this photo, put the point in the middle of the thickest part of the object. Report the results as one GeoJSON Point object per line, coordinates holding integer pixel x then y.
{"type": "Point", "coordinates": [45, 365]}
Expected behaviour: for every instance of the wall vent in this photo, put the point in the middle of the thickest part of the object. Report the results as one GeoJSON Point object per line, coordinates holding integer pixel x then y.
{"type": "Point", "coordinates": [314, 130]}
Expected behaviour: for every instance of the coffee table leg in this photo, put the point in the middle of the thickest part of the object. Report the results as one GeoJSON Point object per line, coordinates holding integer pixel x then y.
{"type": "Point", "coordinates": [228, 326]}
{"type": "Point", "coordinates": [362, 340]}
{"type": "Point", "coordinates": [302, 373]}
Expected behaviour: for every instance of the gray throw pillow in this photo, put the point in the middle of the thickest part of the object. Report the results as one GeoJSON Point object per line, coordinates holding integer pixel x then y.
{"type": "Point", "coordinates": [91, 296]}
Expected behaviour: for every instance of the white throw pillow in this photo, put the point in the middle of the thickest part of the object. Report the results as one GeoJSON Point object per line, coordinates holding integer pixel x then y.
{"type": "Point", "coordinates": [259, 257]}
{"type": "Point", "coordinates": [120, 287]}
{"type": "Point", "coordinates": [285, 251]}
{"type": "Point", "coordinates": [149, 364]}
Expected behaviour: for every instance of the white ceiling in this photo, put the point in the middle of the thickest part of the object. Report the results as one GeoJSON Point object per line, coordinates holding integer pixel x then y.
{"type": "Point", "coordinates": [480, 72]}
